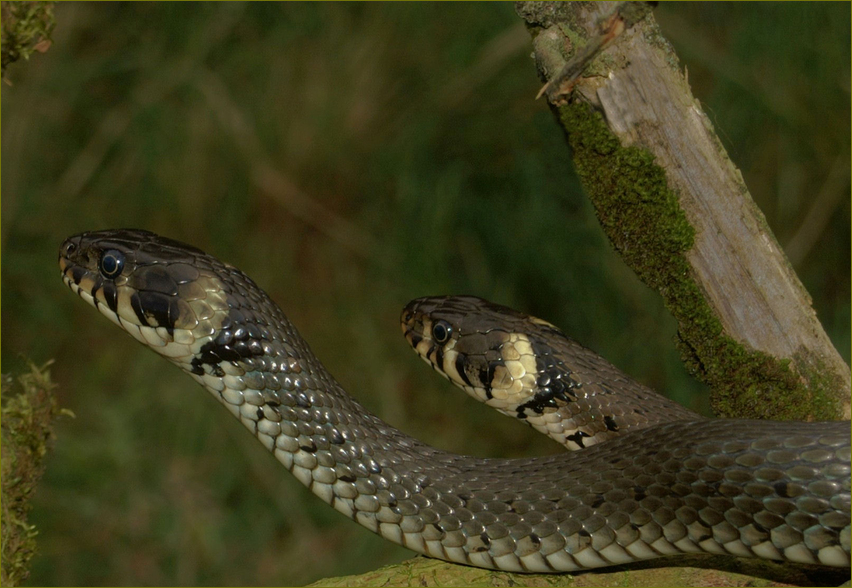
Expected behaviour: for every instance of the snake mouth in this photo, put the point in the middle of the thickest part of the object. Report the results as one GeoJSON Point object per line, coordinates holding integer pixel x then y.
{"type": "Point", "coordinates": [78, 290]}
{"type": "Point", "coordinates": [78, 273]}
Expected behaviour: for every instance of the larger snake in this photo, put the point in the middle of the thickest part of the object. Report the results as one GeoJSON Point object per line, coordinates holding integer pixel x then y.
{"type": "Point", "coordinates": [650, 478]}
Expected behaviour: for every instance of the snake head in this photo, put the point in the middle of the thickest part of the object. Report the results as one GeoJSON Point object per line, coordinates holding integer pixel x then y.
{"type": "Point", "coordinates": [204, 315]}
{"type": "Point", "coordinates": [528, 369]}
{"type": "Point", "coordinates": [488, 350]}
{"type": "Point", "coordinates": [167, 295]}
{"type": "Point", "coordinates": [135, 278]}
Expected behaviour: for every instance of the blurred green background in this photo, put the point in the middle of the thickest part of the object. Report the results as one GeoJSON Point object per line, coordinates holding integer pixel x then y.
{"type": "Point", "coordinates": [350, 157]}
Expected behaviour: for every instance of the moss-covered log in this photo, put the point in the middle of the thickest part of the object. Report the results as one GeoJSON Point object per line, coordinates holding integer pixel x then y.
{"type": "Point", "coordinates": [682, 571]}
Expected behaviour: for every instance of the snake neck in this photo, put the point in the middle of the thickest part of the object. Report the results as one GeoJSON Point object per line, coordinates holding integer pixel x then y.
{"type": "Point", "coordinates": [259, 367]}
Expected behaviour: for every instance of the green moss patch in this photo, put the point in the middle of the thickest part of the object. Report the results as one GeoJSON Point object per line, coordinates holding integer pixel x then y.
{"type": "Point", "coordinates": [27, 432]}
{"type": "Point", "coordinates": [27, 27]}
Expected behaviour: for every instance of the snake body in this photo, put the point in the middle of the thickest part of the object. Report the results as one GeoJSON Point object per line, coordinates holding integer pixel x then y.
{"type": "Point", "coordinates": [664, 482]}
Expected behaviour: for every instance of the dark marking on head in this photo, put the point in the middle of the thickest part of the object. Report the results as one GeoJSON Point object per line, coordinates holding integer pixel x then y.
{"type": "Point", "coordinates": [99, 282]}
{"type": "Point", "coordinates": [414, 338]}
{"type": "Point", "coordinates": [155, 278]}
{"type": "Point", "coordinates": [111, 295]}
{"type": "Point", "coordinates": [439, 357]}
{"type": "Point", "coordinates": [461, 368]}
{"type": "Point", "coordinates": [136, 305]}
{"type": "Point", "coordinates": [154, 309]}
{"type": "Point", "coordinates": [78, 272]}
{"type": "Point", "coordinates": [486, 376]}
{"type": "Point", "coordinates": [161, 307]}
{"type": "Point", "coordinates": [492, 368]}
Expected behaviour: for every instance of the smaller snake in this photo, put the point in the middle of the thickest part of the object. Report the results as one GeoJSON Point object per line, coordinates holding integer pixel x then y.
{"type": "Point", "coordinates": [525, 367]}
{"type": "Point", "coordinates": [651, 478]}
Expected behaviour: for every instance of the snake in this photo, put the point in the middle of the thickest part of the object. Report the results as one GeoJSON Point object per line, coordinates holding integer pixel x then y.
{"type": "Point", "coordinates": [642, 476]}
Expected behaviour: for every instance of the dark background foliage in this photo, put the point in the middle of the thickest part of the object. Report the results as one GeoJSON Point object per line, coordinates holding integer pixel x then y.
{"type": "Point", "coordinates": [350, 157]}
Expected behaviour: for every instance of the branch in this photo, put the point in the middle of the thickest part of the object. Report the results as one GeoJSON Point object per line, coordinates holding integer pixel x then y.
{"type": "Point", "coordinates": [676, 209]}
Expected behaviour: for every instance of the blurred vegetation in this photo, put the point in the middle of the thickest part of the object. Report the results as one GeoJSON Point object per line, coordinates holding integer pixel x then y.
{"type": "Point", "coordinates": [27, 27]}
{"type": "Point", "coordinates": [350, 157]}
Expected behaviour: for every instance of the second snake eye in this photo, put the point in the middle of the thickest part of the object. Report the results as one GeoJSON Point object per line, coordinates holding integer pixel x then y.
{"type": "Point", "coordinates": [111, 264]}
{"type": "Point", "coordinates": [441, 332]}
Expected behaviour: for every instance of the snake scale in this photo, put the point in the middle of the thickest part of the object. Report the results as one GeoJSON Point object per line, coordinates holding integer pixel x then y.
{"type": "Point", "coordinates": [648, 479]}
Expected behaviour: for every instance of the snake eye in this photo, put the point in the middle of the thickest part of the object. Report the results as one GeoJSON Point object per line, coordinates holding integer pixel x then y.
{"type": "Point", "coordinates": [441, 331]}
{"type": "Point", "coordinates": [112, 262]}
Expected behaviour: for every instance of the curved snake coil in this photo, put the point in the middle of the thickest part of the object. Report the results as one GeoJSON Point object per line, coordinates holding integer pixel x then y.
{"type": "Point", "coordinates": [665, 481]}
